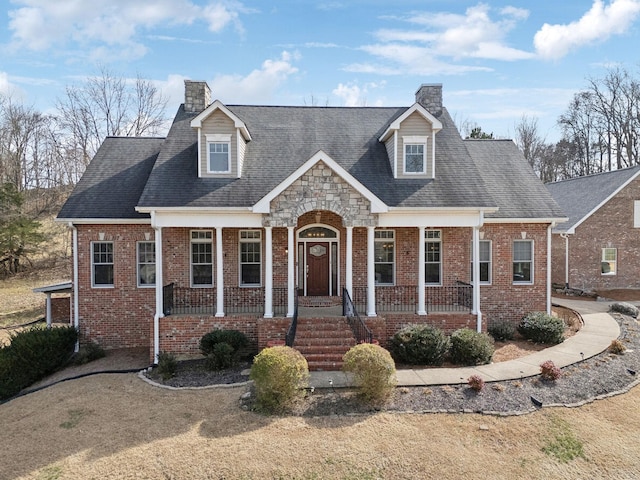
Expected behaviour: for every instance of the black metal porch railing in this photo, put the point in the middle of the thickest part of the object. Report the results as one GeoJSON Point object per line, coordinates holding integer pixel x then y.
{"type": "Point", "coordinates": [360, 330]}
{"type": "Point", "coordinates": [167, 299]}
{"type": "Point", "coordinates": [450, 298]}
{"type": "Point", "coordinates": [290, 338]}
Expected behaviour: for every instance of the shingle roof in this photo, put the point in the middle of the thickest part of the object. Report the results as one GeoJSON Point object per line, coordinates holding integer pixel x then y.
{"type": "Point", "coordinates": [511, 182]}
{"type": "Point", "coordinates": [579, 197]}
{"type": "Point", "coordinates": [113, 182]}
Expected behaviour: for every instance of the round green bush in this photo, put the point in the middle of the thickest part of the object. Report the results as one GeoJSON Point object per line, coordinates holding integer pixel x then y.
{"type": "Point", "coordinates": [542, 328]}
{"type": "Point", "coordinates": [235, 338]}
{"type": "Point", "coordinates": [280, 375]}
{"type": "Point", "coordinates": [374, 371]}
{"type": "Point", "coordinates": [470, 348]}
{"type": "Point", "coordinates": [419, 345]}
{"type": "Point", "coordinates": [502, 330]}
{"type": "Point", "coordinates": [221, 357]}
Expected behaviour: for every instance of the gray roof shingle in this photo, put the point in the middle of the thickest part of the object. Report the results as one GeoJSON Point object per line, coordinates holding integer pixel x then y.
{"type": "Point", "coordinates": [579, 196]}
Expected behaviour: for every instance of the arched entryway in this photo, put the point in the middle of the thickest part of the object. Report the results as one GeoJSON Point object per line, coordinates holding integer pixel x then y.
{"type": "Point", "coordinates": [318, 260]}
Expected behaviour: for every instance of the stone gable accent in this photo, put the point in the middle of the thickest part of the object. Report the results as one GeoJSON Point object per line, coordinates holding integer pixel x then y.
{"type": "Point", "coordinates": [320, 189]}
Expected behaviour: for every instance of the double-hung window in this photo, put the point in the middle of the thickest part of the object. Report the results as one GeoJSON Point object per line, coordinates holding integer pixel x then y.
{"type": "Point", "coordinates": [523, 261]}
{"type": "Point", "coordinates": [415, 155]}
{"type": "Point", "coordinates": [484, 261]}
{"type": "Point", "coordinates": [384, 257]}
{"type": "Point", "coordinates": [609, 261]}
{"type": "Point", "coordinates": [433, 257]}
{"type": "Point", "coordinates": [146, 264]}
{"type": "Point", "coordinates": [218, 153]}
{"type": "Point", "coordinates": [102, 264]}
{"type": "Point", "coordinates": [250, 258]}
{"type": "Point", "coordinates": [201, 258]}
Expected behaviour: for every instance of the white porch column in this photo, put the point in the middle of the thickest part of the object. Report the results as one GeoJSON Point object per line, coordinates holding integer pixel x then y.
{"type": "Point", "coordinates": [291, 272]}
{"type": "Point", "coordinates": [268, 272]}
{"type": "Point", "coordinates": [549, 228]}
{"type": "Point", "coordinates": [219, 274]}
{"type": "Point", "coordinates": [371, 273]}
{"type": "Point", "coordinates": [348, 273]}
{"type": "Point", "coordinates": [48, 312]}
{"type": "Point", "coordinates": [476, 277]}
{"type": "Point", "coordinates": [422, 310]}
{"type": "Point", "coordinates": [159, 294]}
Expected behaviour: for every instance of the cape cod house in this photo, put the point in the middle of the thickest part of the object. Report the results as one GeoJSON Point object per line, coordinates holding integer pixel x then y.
{"type": "Point", "coordinates": [248, 217]}
{"type": "Point", "coordinates": [598, 248]}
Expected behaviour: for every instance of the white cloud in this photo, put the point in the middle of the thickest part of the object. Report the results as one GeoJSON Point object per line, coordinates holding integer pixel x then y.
{"type": "Point", "coordinates": [259, 85]}
{"type": "Point", "coordinates": [4, 83]}
{"type": "Point", "coordinates": [352, 95]}
{"type": "Point", "coordinates": [597, 25]}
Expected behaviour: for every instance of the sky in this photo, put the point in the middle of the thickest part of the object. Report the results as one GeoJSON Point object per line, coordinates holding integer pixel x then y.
{"type": "Point", "coordinates": [496, 60]}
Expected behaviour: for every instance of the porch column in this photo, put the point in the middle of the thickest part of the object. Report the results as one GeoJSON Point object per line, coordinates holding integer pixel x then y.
{"type": "Point", "coordinates": [219, 274]}
{"type": "Point", "coordinates": [159, 294]}
{"type": "Point", "coordinates": [348, 268]}
{"type": "Point", "coordinates": [371, 273]}
{"type": "Point", "coordinates": [268, 272]}
{"type": "Point", "coordinates": [476, 277]}
{"type": "Point", "coordinates": [291, 272]}
{"type": "Point", "coordinates": [421, 298]}
{"type": "Point", "coordinates": [48, 310]}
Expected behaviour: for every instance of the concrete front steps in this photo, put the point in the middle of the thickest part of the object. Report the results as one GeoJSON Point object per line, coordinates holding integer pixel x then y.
{"type": "Point", "coordinates": [323, 341]}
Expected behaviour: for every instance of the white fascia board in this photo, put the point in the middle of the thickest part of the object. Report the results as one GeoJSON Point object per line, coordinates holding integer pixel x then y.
{"type": "Point", "coordinates": [218, 105]}
{"type": "Point", "coordinates": [435, 217]}
{"type": "Point", "coordinates": [165, 219]}
{"type": "Point", "coordinates": [436, 125]}
{"type": "Point", "coordinates": [104, 221]}
{"type": "Point", "coordinates": [264, 204]}
{"type": "Point", "coordinates": [527, 220]}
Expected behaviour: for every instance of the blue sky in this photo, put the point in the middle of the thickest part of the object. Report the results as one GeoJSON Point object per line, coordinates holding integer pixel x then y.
{"type": "Point", "coordinates": [496, 60]}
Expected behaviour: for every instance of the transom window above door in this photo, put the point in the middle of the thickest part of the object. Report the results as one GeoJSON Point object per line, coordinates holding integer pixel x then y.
{"type": "Point", "coordinates": [318, 232]}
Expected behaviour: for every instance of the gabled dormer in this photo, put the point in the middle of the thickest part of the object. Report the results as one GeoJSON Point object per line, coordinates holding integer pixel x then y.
{"type": "Point", "coordinates": [222, 141]}
{"type": "Point", "coordinates": [410, 140]}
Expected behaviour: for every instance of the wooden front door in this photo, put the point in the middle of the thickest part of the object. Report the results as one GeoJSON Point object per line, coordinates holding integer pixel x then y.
{"type": "Point", "coordinates": [317, 268]}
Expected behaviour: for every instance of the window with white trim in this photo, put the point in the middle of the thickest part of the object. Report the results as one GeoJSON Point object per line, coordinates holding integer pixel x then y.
{"type": "Point", "coordinates": [218, 153]}
{"type": "Point", "coordinates": [201, 258]}
{"type": "Point", "coordinates": [484, 261]}
{"type": "Point", "coordinates": [250, 258]}
{"type": "Point", "coordinates": [433, 257]}
{"type": "Point", "coordinates": [146, 264]}
{"type": "Point", "coordinates": [415, 155]}
{"type": "Point", "coordinates": [102, 264]}
{"type": "Point", "coordinates": [523, 261]}
{"type": "Point", "coordinates": [384, 252]}
{"type": "Point", "coordinates": [609, 261]}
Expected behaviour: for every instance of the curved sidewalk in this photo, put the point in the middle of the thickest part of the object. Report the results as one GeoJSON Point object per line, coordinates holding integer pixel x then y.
{"type": "Point", "coordinates": [594, 337]}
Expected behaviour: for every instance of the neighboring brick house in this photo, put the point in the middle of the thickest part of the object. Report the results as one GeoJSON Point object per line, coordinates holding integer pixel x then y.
{"type": "Point", "coordinates": [598, 248]}
{"type": "Point", "coordinates": [243, 209]}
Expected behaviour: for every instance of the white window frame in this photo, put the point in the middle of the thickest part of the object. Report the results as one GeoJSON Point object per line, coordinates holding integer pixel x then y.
{"type": "Point", "coordinates": [612, 271]}
{"type": "Point", "coordinates": [218, 139]}
{"type": "Point", "coordinates": [430, 237]}
{"type": "Point", "coordinates": [636, 214]}
{"type": "Point", "coordinates": [140, 263]}
{"type": "Point", "coordinates": [386, 237]}
{"type": "Point", "coordinates": [250, 236]}
{"type": "Point", "coordinates": [207, 238]}
{"type": "Point", "coordinates": [413, 141]}
{"type": "Point", "coordinates": [531, 261]}
{"type": "Point", "coordinates": [480, 261]}
{"type": "Point", "coordinates": [100, 263]}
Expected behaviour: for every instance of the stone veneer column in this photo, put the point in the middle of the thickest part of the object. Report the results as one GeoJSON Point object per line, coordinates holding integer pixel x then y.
{"type": "Point", "coordinates": [219, 274]}
{"type": "Point", "coordinates": [371, 273]}
{"type": "Point", "coordinates": [268, 273]}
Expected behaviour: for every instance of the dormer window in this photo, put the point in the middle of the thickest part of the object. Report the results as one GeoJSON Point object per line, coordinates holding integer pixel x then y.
{"type": "Point", "coordinates": [415, 158]}
{"type": "Point", "coordinates": [218, 153]}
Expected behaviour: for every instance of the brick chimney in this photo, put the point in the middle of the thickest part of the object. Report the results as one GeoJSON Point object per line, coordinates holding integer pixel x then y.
{"type": "Point", "coordinates": [197, 96]}
{"type": "Point", "coordinates": [429, 95]}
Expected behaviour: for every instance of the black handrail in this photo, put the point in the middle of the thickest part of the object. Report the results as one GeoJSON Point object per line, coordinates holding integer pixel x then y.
{"type": "Point", "coordinates": [291, 332]}
{"type": "Point", "coordinates": [360, 330]}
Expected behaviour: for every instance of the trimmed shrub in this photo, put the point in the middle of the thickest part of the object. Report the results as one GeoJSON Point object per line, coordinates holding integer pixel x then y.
{"type": "Point", "coordinates": [625, 309]}
{"type": "Point", "coordinates": [280, 375]}
{"type": "Point", "coordinates": [470, 348]}
{"type": "Point", "coordinates": [475, 382]}
{"type": "Point", "coordinates": [542, 328]}
{"type": "Point", "coordinates": [502, 331]}
{"type": "Point", "coordinates": [221, 357]}
{"type": "Point", "coordinates": [419, 345]}
{"type": "Point", "coordinates": [549, 371]}
{"type": "Point", "coordinates": [32, 355]}
{"type": "Point", "coordinates": [88, 353]}
{"type": "Point", "coordinates": [167, 365]}
{"type": "Point", "coordinates": [374, 371]}
{"type": "Point", "coordinates": [235, 338]}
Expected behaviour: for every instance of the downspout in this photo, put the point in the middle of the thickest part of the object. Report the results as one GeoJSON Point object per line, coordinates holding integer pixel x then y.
{"type": "Point", "coordinates": [76, 317]}
{"type": "Point", "coordinates": [159, 284]}
{"type": "Point", "coordinates": [476, 271]}
{"type": "Point", "coordinates": [566, 259]}
{"type": "Point", "coordinates": [549, 228]}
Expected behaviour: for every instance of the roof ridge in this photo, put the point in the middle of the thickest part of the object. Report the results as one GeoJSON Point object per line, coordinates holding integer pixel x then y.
{"type": "Point", "coordinates": [591, 175]}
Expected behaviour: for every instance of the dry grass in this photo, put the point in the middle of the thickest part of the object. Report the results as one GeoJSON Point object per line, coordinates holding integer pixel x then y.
{"type": "Point", "coordinates": [119, 427]}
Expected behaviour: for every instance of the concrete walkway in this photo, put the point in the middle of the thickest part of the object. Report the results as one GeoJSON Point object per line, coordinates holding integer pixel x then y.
{"type": "Point", "coordinates": [594, 337]}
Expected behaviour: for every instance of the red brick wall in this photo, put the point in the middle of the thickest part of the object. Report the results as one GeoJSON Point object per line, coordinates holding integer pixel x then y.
{"type": "Point", "coordinates": [60, 309]}
{"type": "Point", "coordinates": [610, 227]}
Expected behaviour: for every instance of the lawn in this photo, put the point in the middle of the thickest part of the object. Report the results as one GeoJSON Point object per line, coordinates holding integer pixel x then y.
{"type": "Point", "coordinates": [117, 426]}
